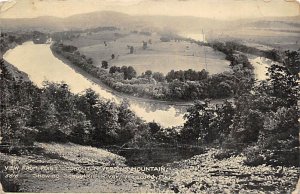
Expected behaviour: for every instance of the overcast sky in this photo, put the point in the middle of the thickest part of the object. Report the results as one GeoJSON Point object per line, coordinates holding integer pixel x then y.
{"type": "Point", "coordinates": [219, 9]}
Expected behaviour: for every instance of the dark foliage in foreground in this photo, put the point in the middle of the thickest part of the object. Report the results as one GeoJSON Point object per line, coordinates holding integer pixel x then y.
{"type": "Point", "coordinates": [53, 113]}
{"type": "Point", "coordinates": [265, 121]}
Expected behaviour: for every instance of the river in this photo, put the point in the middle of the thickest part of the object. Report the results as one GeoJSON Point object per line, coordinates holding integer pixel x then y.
{"type": "Point", "coordinates": [38, 61]}
{"type": "Point", "coordinates": [261, 65]}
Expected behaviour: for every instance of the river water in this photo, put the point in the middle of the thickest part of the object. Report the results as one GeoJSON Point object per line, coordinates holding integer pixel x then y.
{"type": "Point", "coordinates": [38, 61]}
{"type": "Point", "coordinates": [261, 65]}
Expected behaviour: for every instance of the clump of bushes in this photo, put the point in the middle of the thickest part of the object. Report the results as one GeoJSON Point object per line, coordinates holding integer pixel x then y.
{"type": "Point", "coordinates": [254, 156]}
{"type": "Point", "coordinates": [226, 153]}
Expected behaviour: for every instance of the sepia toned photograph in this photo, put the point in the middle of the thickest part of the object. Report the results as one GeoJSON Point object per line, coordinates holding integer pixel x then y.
{"type": "Point", "coordinates": [150, 96]}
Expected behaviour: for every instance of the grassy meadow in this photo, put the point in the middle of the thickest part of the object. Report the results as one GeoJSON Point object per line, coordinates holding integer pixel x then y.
{"type": "Point", "coordinates": [158, 56]}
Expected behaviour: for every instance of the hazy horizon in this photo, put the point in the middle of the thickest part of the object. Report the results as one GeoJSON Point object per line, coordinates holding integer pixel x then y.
{"type": "Point", "coordinates": [214, 9]}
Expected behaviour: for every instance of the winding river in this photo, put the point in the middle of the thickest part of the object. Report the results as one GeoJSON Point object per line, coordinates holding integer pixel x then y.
{"type": "Point", "coordinates": [38, 61]}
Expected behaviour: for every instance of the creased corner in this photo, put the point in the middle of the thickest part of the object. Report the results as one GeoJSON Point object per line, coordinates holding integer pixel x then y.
{"type": "Point", "coordinates": [5, 5]}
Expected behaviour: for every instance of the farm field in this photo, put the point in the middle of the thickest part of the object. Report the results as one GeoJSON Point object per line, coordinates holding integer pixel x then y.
{"type": "Point", "coordinates": [158, 56]}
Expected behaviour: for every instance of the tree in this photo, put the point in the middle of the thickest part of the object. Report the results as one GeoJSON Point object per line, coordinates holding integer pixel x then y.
{"type": "Point", "coordinates": [242, 80]}
{"type": "Point", "coordinates": [41, 110]}
{"type": "Point", "coordinates": [191, 75]}
{"type": "Point", "coordinates": [105, 121]}
{"type": "Point", "coordinates": [220, 85]}
{"type": "Point", "coordinates": [170, 76]}
{"type": "Point", "coordinates": [180, 75]}
{"type": "Point", "coordinates": [283, 85]}
{"type": "Point", "coordinates": [292, 61]}
{"type": "Point", "coordinates": [47, 123]}
{"type": "Point", "coordinates": [114, 69]}
{"type": "Point", "coordinates": [104, 64]}
{"type": "Point", "coordinates": [131, 49]}
{"type": "Point", "coordinates": [82, 130]}
{"type": "Point", "coordinates": [69, 48]}
{"type": "Point", "coordinates": [273, 54]}
{"type": "Point", "coordinates": [87, 101]}
{"type": "Point", "coordinates": [279, 126]}
{"type": "Point", "coordinates": [225, 119]}
{"type": "Point", "coordinates": [147, 74]}
{"type": "Point", "coordinates": [248, 119]}
{"type": "Point", "coordinates": [127, 121]}
{"type": "Point", "coordinates": [144, 45]}
{"type": "Point", "coordinates": [196, 90]}
{"type": "Point", "coordinates": [15, 111]}
{"type": "Point", "coordinates": [187, 75]}
{"type": "Point", "coordinates": [159, 77]}
{"type": "Point", "coordinates": [13, 126]}
{"type": "Point", "coordinates": [129, 72]}
{"type": "Point", "coordinates": [89, 61]}
{"type": "Point", "coordinates": [165, 39]}
{"type": "Point", "coordinates": [178, 90]}
{"type": "Point", "coordinates": [154, 127]}
{"type": "Point", "coordinates": [203, 74]}
{"type": "Point", "coordinates": [197, 126]}
{"type": "Point", "coordinates": [4, 74]}
{"type": "Point", "coordinates": [167, 135]}
{"type": "Point", "coordinates": [65, 109]}
{"type": "Point", "coordinates": [225, 90]}
{"type": "Point", "coordinates": [279, 139]}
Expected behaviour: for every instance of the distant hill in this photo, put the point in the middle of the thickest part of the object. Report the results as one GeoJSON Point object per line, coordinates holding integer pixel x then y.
{"type": "Point", "coordinates": [272, 22]}
{"type": "Point", "coordinates": [174, 23]}
{"type": "Point", "coordinates": [75, 22]}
